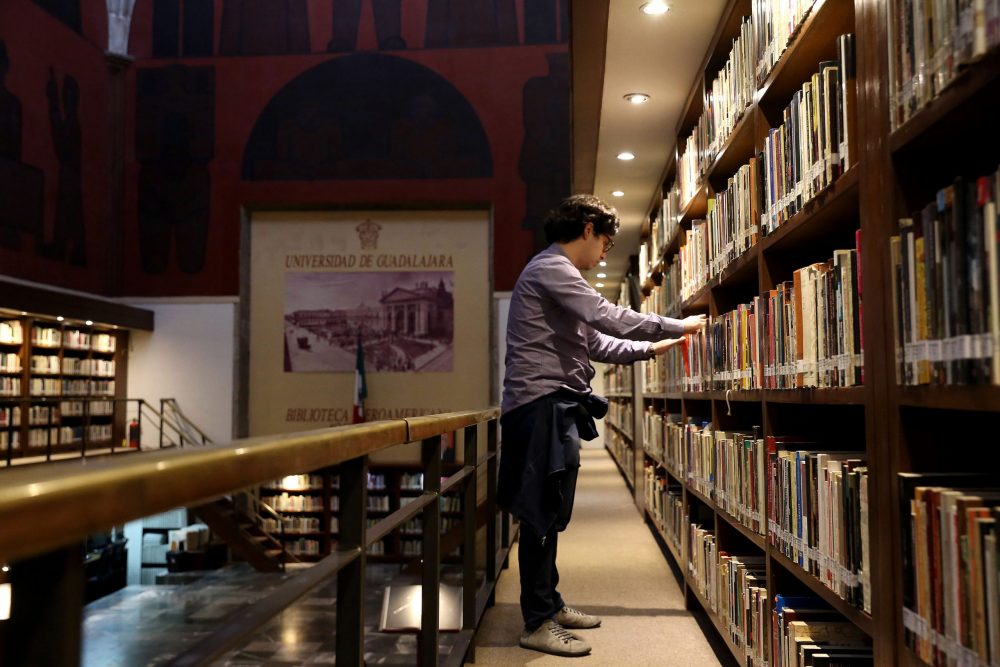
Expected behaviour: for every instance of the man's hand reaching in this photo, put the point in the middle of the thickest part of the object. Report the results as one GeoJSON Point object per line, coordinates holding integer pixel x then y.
{"type": "Point", "coordinates": [661, 346]}
{"type": "Point", "coordinates": [694, 324]}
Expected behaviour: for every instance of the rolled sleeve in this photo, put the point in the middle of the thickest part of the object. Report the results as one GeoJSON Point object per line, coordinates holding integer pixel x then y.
{"type": "Point", "coordinates": [575, 295]}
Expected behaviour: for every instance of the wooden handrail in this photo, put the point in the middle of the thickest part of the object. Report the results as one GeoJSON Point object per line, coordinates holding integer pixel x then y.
{"type": "Point", "coordinates": [43, 508]}
{"type": "Point", "coordinates": [420, 428]}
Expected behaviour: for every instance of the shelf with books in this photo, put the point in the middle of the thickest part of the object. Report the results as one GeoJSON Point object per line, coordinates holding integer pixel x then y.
{"type": "Point", "coordinates": [671, 547]}
{"type": "Point", "coordinates": [757, 539]}
{"type": "Point", "coordinates": [620, 430]}
{"type": "Point", "coordinates": [693, 591]}
{"type": "Point", "coordinates": [737, 150]}
{"type": "Point", "coordinates": [814, 41]}
{"type": "Point", "coordinates": [859, 618]}
{"type": "Point", "coordinates": [971, 98]}
{"type": "Point", "coordinates": [697, 206]}
{"type": "Point", "coordinates": [817, 395]}
{"type": "Point", "coordinates": [821, 218]}
{"type": "Point", "coordinates": [736, 395]}
{"type": "Point", "coordinates": [700, 496]}
{"type": "Point", "coordinates": [950, 397]}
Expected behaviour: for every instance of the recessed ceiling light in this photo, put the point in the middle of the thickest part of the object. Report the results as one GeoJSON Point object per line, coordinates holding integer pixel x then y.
{"type": "Point", "coordinates": [602, 275]}
{"type": "Point", "coordinates": [617, 193]}
{"type": "Point", "coordinates": [655, 8]}
{"type": "Point", "coordinates": [599, 285]}
{"type": "Point", "coordinates": [89, 322]}
{"type": "Point", "coordinates": [603, 263]}
{"type": "Point", "coordinates": [24, 312]}
{"type": "Point", "coordinates": [636, 98]}
{"type": "Point", "coordinates": [626, 155]}
{"type": "Point", "coordinates": [60, 318]}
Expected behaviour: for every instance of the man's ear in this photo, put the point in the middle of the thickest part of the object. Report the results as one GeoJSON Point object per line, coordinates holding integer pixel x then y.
{"type": "Point", "coordinates": [588, 229]}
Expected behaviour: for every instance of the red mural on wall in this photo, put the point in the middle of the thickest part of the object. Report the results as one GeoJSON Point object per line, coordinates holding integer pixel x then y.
{"type": "Point", "coordinates": [53, 136]}
{"type": "Point", "coordinates": [487, 127]}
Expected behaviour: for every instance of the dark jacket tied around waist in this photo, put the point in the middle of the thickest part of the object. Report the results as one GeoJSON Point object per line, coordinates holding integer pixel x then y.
{"type": "Point", "coordinates": [540, 457]}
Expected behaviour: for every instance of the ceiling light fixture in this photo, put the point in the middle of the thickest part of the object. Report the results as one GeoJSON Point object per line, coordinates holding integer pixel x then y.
{"type": "Point", "coordinates": [599, 285]}
{"type": "Point", "coordinates": [636, 98]}
{"type": "Point", "coordinates": [602, 275]}
{"type": "Point", "coordinates": [603, 263]}
{"type": "Point", "coordinates": [617, 193]}
{"type": "Point", "coordinates": [626, 156]}
{"type": "Point", "coordinates": [60, 318]}
{"type": "Point", "coordinates": [90, 322]}
{"type": "Point", "coordinates": [655, 8]}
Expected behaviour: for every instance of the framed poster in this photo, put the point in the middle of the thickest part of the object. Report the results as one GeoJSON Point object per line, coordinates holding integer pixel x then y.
{"type": "Point", "coordinates": [412, 289]}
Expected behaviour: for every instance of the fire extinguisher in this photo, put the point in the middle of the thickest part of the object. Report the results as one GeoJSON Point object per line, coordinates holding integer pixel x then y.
{"type": "Point", "coordinates": [133, 434]}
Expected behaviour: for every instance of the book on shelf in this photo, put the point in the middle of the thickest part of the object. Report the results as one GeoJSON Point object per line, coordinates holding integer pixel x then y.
{"type": "Point", "coordinates": [930, 43]}
{"type": "Point", "coordinates": [946, 287]}
{"type": "Point", "coordinates": [949, 562]}
{"type": "Point", "coordinates": [815, 514]}
{"type": "Point", "coordinates": [803, 627]}
{"type": "Point", "coordinates": [11, 332]}
{"type": "Point", "coordinates": [805, 154]}
{"type": "Point", "coordinates": [733, 220]}
{"type": "Point", "coordinates": [775, 22]}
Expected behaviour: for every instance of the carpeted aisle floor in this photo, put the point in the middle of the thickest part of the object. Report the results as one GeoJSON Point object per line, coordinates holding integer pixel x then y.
{"type": "Point", "coordinates": [610, 565]}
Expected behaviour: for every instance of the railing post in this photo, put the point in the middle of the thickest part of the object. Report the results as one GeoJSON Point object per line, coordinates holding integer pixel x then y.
{"type": "Point", "coordinates": [491, 506]}
{"type": "Point", "coordinates": [427, 639]}
{"type": "Point", "coordinates": [351, 579]}
{"type": "Point", "coordinates": [470, 497]}
{"type": "Point", "coordinates": [46, 614]}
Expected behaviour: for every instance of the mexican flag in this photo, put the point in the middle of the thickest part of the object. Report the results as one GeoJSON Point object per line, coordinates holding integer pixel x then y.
{"type": "Point", "coordinates": [360, 386]}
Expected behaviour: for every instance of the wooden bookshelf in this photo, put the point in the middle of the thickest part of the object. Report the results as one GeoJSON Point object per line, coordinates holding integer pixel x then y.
{"type": "Point", "coordinates": [892, 172]}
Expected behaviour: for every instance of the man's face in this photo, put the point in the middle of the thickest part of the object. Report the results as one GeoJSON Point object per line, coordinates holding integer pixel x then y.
{"type": "Point", "coordinates": [598, 245]}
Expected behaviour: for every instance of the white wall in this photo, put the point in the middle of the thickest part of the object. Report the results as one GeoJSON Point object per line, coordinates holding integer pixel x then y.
{"type": "Point", "coordinates": [189, 356]}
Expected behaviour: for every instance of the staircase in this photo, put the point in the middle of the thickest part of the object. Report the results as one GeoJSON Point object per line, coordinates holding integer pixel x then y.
{"type": "Point", "coordinates": [237, 519]}
{"type": "Point", "coordinates": [244, 536]}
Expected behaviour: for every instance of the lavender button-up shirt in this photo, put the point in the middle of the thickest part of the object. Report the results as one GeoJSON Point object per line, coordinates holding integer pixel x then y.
{"type": "Point", "coordinates": [558, 323]}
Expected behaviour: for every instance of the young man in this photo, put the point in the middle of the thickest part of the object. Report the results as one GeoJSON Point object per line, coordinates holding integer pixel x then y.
{"type": "Point", "coordinates": [557, 325]}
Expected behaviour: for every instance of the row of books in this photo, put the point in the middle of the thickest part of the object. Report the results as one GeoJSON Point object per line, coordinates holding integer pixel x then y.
{"type": "Point", "coordinates": [665, 502]}
{"type": "Point", "coordinates": [664, 227]}
{"type": "Point", "coordinates": [806, 632]}
{"type": "Point", "coordinates": [811, 148]}
{"type": "Point", "coordinates": [775, 21]}
{"type": "Point", "coordinates": [691, 163]}
{"type": "Point", "coordinates": [292, 525]}
{"type": "Point", "coordinates": [11, 332]}
{"type": "Point", "coordinates": [10, 363]}
{"type": "Point", "coordinates": [622, 451]}
{"type": "Point", "coordinates": [735, 588]}
{"type": "Point", "coordinates": [618, 379]}
{"type": "Point", "coordinates": [818, 514]}
{"type": "Point", "coordinates": [930, 44]}
{"type": "Point", "coordinates": [412, 481]}
{"type": "Point", "coordinates": [291, 502]}
{"type": "Point", "coordinates": [804, 333]}
{"type": "Point", "coordinates": [620, 415]}
{"type": "Point", "coordinates": [296, 482]}
{"type": "Point", "coordinates": [10, 386]}
{"type": "Point", "coordinates": [733, 220]}
{"type": "Point", "coordinates": [811, 326]}
{"type": "Point", "coordinates": [53, 365]}
{"type": "Point", "coordinates": [946, 287]}
{"type": "Point", "coordinates": [693, 257]}
{"type": "Point", "coordinates": [303, 547]}
{"type": "Point", "coordinates": [68, 435]}
{"type": "Point", "coordinates": [378, 503]}
{"type": "Point", "coordinates": [57, 387]}
{"type": "Point", "coordinates": [951, 567]}
{"type": "Point", "coordinates": [730, 93]}
{"type": "Point", "coordinates": [80, 408]}
{"type": "Point", "coordinates": [73, 339]}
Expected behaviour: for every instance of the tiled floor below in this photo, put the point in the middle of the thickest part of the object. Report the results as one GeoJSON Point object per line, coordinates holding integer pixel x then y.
{"type": "Point", "coordinates": [149, 625]}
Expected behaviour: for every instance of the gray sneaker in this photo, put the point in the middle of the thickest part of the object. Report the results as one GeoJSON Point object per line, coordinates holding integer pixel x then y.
{"type": "Point", "coordinates": [576, 619]}
{"type": "Point", "coordinates": [550, 637]}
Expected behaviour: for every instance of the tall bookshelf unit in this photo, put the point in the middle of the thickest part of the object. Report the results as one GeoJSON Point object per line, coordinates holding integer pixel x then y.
{"type": "Point", "coordinates": [58, 383]}
{"type": "Point", "coordinates": [895, 169]}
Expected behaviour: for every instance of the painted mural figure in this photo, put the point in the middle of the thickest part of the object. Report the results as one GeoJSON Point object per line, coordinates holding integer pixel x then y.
{"type": "Point", "coordinates": [174, 202]}
{"type": "Point", "coordinates": [544, 160]}
{"type": "Point", "coordinates": [540, 20]}
{"type": "Point", "coordinates": [68, 233]}
{"type": "Point", "coordinates": [20, 184]}
{"type": "Point", "coordinates": [264, 27]}
{"type": "Point", "coordinates": [470, 23]}
{"type": "Point", "coordinates": [347, 16]}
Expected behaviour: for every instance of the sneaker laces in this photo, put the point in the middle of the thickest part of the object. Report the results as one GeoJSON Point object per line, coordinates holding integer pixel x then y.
{"type": "Point", "coordinates": [570, 610]}
{"type": "Point", "coordinates": [561, 633]}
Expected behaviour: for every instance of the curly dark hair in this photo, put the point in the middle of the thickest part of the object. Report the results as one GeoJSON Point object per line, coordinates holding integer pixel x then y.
{"type": "Point", "coordinates": [567, 221]}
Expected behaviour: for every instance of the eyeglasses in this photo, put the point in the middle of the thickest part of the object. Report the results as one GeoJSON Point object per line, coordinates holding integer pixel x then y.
{"type": "Point", "coordinates": [609, 244]}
